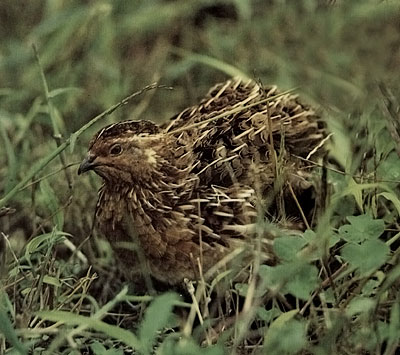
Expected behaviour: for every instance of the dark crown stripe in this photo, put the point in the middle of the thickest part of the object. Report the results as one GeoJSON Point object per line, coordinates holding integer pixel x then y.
{"type": "Point", "coordinates": [133, 127]}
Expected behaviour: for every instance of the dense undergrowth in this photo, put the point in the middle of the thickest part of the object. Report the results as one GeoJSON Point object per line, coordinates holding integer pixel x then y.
{"type": "Point", "coordinates": [336, 288]}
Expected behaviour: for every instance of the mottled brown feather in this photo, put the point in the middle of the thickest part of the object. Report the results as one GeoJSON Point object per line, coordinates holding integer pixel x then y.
{"type": "Point", "coordinates": [190, 190]}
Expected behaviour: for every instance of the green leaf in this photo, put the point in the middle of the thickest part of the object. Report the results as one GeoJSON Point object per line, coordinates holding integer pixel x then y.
{"type": "Point", "coordinates": [114, 352]}
{"type": "Point", "coordinates": [268, 315]}
{"type": "Point", "coordinates": [50, 200]}
{"type": "Point", "coordinates": [72, 139]}
{"type": "Point", "coordinates": [287, 247]}
{"type": "Point", "coordinates": [157, 316]}
{"type": "Point", "coordinates": [286, 335]}
{"type": "Point", "coordinates": [311, 237]}
{"type": "Point", "coordinates": [244, 8]}
{"type": "Point", "coordinates": [298, 278]}
{"type": "Point", "coordinates": [370, 287]}
{"type": "Point", "coordinates": [356, 190]}
{"type": "Point", "coordinates": [61, 91]}
{"type": "Point", "coordinates": [220, 276]}
{"type": "Point", "coordinates": [389, 169]}
{"type": "Point", "coordinates": [7, 329]}
{"type": "Point", "coordinates": [360, 305]}
{"type": "Point", "coordinates": [27, 290]}
{"type": "Point", "coordinates": [187, 346]}
{"type": "Point", "coordinates": [111, 330]}
{"type": "Point", "coordinates": [36, 243]}
{"type": "Point", "coordinates": [50, 280]}
{"type": "Point", "coordinates": [12, 165]}
{"type": "Point", "coordinates": [361, 228]}
{"type": "Point", "coordinates": [393, 198]}
{"type": "Point", "coordinates": [7, 91]}
{"type": "Point", "coordinates": [283, 319]}
{"type": "Point", "coordinates": [98, 348]}
{"type": "Point", "coordinates": [211, 62]}
{"type": "Point", "coordinates": [242, 289]}
{"type": "Point", "coordinates": [367, 256]}
{"type": "Point", "coordinates": [394, 325]}
{"type": "Point", "coordinates": [303, 281]}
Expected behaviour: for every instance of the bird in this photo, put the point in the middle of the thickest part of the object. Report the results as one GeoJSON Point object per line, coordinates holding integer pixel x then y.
{"type": "Point", "coordinates": [185, 197]}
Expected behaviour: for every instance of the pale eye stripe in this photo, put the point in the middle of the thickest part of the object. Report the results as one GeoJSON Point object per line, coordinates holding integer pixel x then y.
{"type": "Point", "coordinates": [122, 124]}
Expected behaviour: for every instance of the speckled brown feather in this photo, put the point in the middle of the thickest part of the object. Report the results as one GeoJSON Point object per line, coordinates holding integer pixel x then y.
{"type": "Point", "coordinates": [238, 142]}
{"type": "Point", "coordinates": [188, 192]}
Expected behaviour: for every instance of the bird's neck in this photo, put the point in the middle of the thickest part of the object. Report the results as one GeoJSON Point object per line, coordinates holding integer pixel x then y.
{"type": "Point", "coordinates": [149, 212]}
{"type": "Point", "coordinates": [156, 196]}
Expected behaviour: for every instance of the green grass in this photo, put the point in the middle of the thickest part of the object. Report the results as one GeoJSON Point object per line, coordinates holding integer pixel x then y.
{"type": "Point", "coordinates": [336, 288]}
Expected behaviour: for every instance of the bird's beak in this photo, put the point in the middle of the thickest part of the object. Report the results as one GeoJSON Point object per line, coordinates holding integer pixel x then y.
{"type": "Point", "coordinates": [87, 164]}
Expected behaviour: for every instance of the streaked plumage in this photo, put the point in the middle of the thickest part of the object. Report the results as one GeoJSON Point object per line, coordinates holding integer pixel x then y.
{"type": "Point", "coordinates": [188, 192]}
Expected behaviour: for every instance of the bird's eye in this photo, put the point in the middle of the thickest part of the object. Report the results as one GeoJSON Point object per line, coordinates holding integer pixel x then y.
{"type": "Point", "coordinates": [115, 149]}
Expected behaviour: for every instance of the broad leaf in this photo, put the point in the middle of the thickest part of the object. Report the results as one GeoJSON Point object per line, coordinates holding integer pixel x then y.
{"type": "Point", "coordinates": [361, 228]}
{"type": "Point", "coordinates": [360, 305]}
{"type": "Point", "coordinates": [287, 247]}
{"type": "Point", "coordinates": [367, 256]}
{"type": "Point", "coordinates": [286, 335]}
{"type": "Point", "coordinates": [298, 278]}
{"type": "Point", "coordinates": [157, 316]}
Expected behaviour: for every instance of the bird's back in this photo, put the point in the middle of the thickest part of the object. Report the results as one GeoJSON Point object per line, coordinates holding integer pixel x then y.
{"type": "Point", "coordinates": [231, 129]}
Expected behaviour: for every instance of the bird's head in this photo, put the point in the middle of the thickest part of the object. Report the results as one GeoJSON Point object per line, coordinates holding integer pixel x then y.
{"type": "Point", "coordinates": [126, 152]}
